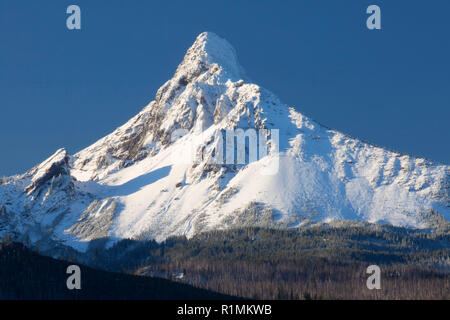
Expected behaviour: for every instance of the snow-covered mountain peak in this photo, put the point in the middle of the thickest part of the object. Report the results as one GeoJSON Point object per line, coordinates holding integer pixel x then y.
{"type": "Point", "coordinates": [139, 182]}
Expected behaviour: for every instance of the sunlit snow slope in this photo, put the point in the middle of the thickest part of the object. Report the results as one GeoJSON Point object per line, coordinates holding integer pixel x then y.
{"type": "Point", "coordinates": [139, 182]}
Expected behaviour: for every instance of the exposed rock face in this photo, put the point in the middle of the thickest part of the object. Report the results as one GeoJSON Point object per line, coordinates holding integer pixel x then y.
{"type": "Point", "coordinates": [56, 166]}
{"type": "Point", "coordinates": [95, 221]}
{"type": "Point", "coordinates": [158, 175]}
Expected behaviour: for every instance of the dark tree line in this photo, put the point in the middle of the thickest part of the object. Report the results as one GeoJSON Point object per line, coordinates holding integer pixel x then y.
{"type": "Point", "coordinates": [26, 275]}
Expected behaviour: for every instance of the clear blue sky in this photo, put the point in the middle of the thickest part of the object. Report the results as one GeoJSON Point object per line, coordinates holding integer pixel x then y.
{"type": "Point", "coordinates": [61, 88]}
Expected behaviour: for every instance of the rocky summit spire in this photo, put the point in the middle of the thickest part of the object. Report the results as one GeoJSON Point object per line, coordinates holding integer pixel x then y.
{"type": "Point", "coordinates": [203, 89]}
{"type": "Point", "coordinates": [208, 50]}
